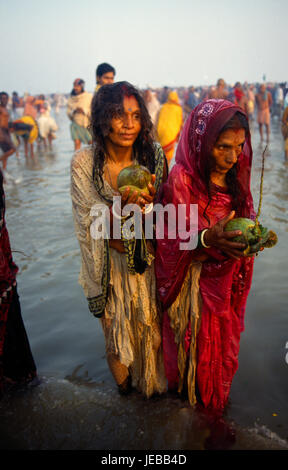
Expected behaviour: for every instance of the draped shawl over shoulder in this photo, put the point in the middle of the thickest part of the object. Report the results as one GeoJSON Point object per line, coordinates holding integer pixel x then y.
{"type": "Point", "coordinates": [83, 101]}
{"type": "Point", "coordinates": [224, 283]}
{"type": "Point", "coordinates": [87, 194]}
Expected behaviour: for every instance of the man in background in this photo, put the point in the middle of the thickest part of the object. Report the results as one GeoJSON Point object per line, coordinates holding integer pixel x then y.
{"type": "Point", "coordinates": [105, 75]}
{"type": "Point", "coordinates": [264, 103]}
{"type": "Point", "coordinates": [220, 92]}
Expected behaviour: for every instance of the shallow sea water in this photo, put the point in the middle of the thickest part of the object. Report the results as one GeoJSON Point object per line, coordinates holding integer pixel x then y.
{"type": "Point", "coordinates": [76, 406]}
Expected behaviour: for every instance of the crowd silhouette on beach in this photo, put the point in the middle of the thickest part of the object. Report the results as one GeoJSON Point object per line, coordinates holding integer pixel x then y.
{"type": "Point", "coordinates": [31, 120]}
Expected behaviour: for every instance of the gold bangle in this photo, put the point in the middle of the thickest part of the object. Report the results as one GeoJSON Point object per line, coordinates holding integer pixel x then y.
{"type": "Point", "coordinates": [113, 209]}
{"type": "Point", "coordinates": [148, 208]}
{"type": "Point", "coordinates": [202, 238]}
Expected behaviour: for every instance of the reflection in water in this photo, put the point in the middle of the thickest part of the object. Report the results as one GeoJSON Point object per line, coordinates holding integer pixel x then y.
{"type": "Point", "coordinates": [77, 406]}
{"type": "Point", "coordinates": [63, 415]}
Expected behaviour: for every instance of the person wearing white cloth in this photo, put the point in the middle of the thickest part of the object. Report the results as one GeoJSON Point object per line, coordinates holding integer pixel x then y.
{"type": "Point", "coordinates": [47, 125]}
{"type": "Point", "coordinates": [117, 275]}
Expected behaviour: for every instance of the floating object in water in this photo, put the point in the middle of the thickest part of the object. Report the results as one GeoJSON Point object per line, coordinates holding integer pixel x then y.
{"type": "Point", "coordinates": [136, 177]}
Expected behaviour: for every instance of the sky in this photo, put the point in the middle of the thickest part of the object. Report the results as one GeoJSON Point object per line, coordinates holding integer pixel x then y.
{"type": "Point", "coordinates": [156, 43]}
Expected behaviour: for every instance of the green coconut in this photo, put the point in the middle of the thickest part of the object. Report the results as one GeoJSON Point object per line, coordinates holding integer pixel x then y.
{"type": "Point", "coordinates": [254, 235]}
{"type": "Point", "coordinates": [136, 177]}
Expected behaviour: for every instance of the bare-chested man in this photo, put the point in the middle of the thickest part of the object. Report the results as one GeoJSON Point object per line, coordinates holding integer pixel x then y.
{"type": "Point", "coordinates": [6, 143]}
{"type": "Point", "coordinates": [220, 92]}
{"type": "Point", "coordinates": [264, 103]}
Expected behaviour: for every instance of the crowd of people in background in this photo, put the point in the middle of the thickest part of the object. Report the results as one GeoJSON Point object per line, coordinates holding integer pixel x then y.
{"type": "Point", "coordinates": [28, 118]}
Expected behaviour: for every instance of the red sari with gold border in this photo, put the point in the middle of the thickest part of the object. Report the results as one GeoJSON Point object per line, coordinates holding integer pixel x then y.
{"type": "Point", "coordinates": [224, 282]}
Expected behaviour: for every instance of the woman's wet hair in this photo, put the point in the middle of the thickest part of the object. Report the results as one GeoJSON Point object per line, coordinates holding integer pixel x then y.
{"type": "Point", "coordinates": [238, 121]}
{"type": "Point", "coordinates": [107, 103]}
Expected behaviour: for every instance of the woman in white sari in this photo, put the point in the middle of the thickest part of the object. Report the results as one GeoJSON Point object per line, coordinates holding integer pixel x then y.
{"type": "Point", "coordinates": [117, 275]}
{"type": "Point", "coordinates": [78, 111]}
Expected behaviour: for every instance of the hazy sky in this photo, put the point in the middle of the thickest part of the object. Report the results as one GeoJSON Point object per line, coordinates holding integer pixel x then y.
{"type": "Point", "coordinates": [46, 44]}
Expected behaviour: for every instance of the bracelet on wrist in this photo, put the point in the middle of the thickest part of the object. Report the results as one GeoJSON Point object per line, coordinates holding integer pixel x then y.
{"type": "Point", "coordinates": [148, 208]}
{"type": "Point", "coordinates": [115, 214]}
{"type": "Point", "coordinates": [202, 238]}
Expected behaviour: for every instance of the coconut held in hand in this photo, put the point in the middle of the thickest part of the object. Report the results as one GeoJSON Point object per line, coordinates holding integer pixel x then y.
{"type": "Point", "coordinates": [255, 236]}
{"type": "Point", "coordinates": [136, 177]}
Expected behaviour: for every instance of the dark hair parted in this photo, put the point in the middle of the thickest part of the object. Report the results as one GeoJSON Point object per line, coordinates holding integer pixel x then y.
{"type": "Point", "coordinates": [107, 103]}
{"type": "Point", "coordinates": [238, 121]}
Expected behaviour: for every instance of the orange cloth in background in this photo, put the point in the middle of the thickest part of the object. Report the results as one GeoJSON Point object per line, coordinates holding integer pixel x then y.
{"type": "Point", "coordinates": [170, 122]}
{"type": "Point", "coordinates": [33, 134]}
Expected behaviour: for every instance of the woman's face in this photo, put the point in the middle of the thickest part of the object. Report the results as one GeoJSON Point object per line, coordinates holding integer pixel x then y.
{"type": "Point", "coordinates": [227, 149]}
{"type": "Point", "coordinates": [125, 128]}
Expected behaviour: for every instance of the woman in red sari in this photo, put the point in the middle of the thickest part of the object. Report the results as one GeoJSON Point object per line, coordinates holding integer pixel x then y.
{"type": "Point", "coordinates": [17, 366]}
{"type": "Point", "coordinates": [204, 291]}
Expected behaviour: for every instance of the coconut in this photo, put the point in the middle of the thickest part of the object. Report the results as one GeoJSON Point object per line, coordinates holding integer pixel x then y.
{"type": "Point", "coordinates": [136, 177]}
{"type": "Point", "coordinates": [254, 235]}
